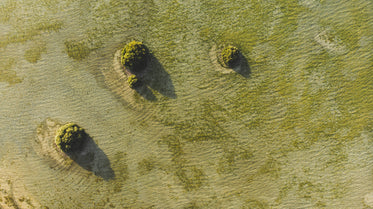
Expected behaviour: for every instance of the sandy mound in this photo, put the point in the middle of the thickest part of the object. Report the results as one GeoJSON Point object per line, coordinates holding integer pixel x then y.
{"type": "Point", "coordinates": [116, 81]}
{"type": "Point", "coordinates": [90, 157]}
{"type": "Point", "coordinates": [214, 57]}
{"type": "Point", "coordinates": [45, 146]}
{"type": "Point", "coordinates": [241, 67]}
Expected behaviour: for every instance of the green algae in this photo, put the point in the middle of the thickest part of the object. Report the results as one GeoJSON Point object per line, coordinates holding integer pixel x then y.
{"type": "Point", "coordinates": [255, 204]}
{"type": "Point", "coordinates": [6, 10]}
{"type": "Point", "coordinates": [146, 165]}
{"type": "Point", "coordinates": [33, 54]}
{"type": "Point", "coordinates": [7, 74]}
{"type": "Point", "coordinates": [77, 49]}
{"type": "Point", "coordinates": [271, 167]}
{"type": "Point", "coordinates": [205, 123]}
{"type": "Point", "coordinates": [191, 178]}
{"type": "Point", "coordinates": [232, 159]}
{"type": "Point", "coordinates": [302, 97]}
{"type": "Point", "coordinates": [23, 35]}
{"type": "Point", "coordinates": [121, 171]}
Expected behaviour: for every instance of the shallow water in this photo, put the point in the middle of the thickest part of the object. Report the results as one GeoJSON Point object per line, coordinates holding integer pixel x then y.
{"type": "Point", "coordinates": [294, 131]}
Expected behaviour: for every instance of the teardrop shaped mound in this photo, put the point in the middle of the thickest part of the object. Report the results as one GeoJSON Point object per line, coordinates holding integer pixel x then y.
{"type": "Point", "coordinates": [46, 147]}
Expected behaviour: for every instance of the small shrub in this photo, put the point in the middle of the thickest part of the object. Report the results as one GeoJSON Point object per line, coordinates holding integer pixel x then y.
{"type": "Point", "coordinates": [70, 137]}
{"type": "Point", "coordinates": [133, 81]}
{"type": "Point", "coordinates": [230, 55]}
{"type": "Point", "coordinates": [134, 55]}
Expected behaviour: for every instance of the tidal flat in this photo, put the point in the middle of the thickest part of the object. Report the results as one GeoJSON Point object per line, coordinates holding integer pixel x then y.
{"type": "Point", "coordinates": [294, 129]}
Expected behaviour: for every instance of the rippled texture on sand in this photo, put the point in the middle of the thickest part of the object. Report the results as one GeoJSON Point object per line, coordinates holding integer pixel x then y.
{"type": "Point", "coordinates": [293, 129]}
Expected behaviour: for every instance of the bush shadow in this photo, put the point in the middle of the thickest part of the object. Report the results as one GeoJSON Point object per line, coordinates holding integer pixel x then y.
{"type": "Point", "coordinates": [93, 159]}
{"type": "Point", "coordinates": [157, 78]}
{"type": "Point", "coordinates": [145, 92]}
{"type": "Point", "coordinates": [242, 67]}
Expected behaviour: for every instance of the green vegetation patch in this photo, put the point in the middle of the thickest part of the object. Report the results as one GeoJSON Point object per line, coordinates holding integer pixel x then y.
{"type": "Point", "coordinates": [271, 167]}
{"type": "Point", "coordinates": [121, 170]}
{"type": "Point", "coordinates": [77, 50]}
{"type": "Point", "coordinates": [230, 56]}
{"type": "Point", "coordinates": [231, 159]}
{"type": "Point", "coordinates": [146, 165]}
{"type": "Point", "coordinates": [134, 56]}
{"type": "Point", "coordinates": [7, 74]}
{"type": "Point", "coordinates": [206, 122]}
{"type": "Point", "coordinates": [70, 137]}
{"type": "Point", "coordinates": [33, 54]}
{"type": "Point", "coordinates": [133, 81]}
{"type": "Point", "coordinates": [191, 178]}
{"type": "Point", "coordinates": [255, 204]}
{"type": "Point", "coordinates": [6, 10]}
{"type": "Point", "coordinates": [23, 35]}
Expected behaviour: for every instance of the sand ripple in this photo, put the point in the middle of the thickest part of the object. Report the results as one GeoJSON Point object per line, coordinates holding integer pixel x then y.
{"type": "Point", "coordinates": [45, 146]}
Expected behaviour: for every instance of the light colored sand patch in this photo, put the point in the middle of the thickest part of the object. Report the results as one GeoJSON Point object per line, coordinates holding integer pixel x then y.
{"type": "Point", "coordinates": [368, 199]}
{"type": "Point", "coordinates": [330, 43]}
{"type": "Point", "coordinates": [310, 3]}
{"type": "Point", "coordinates": [317, 81]}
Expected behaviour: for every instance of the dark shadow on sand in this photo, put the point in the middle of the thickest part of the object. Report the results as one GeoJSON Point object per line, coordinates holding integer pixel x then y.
{"type": "Point", "coordinates": [156, 78]}
{"type": "Point", "coordinates": [242, 67]}
{"type": "Point", "coordinates": [145, 92]}
{"type": "Point", "coordinates": [93, 159]}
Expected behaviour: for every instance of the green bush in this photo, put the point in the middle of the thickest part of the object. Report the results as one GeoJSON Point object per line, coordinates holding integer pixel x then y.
{"type": "Point", "coordinates": [70, 137]}
{"type": "Point", "coordinates": [133, 81]}
{"type": "Point", "coordinates": [134, 55]}
{"type": "Point", "coordinates": [230, 55]}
